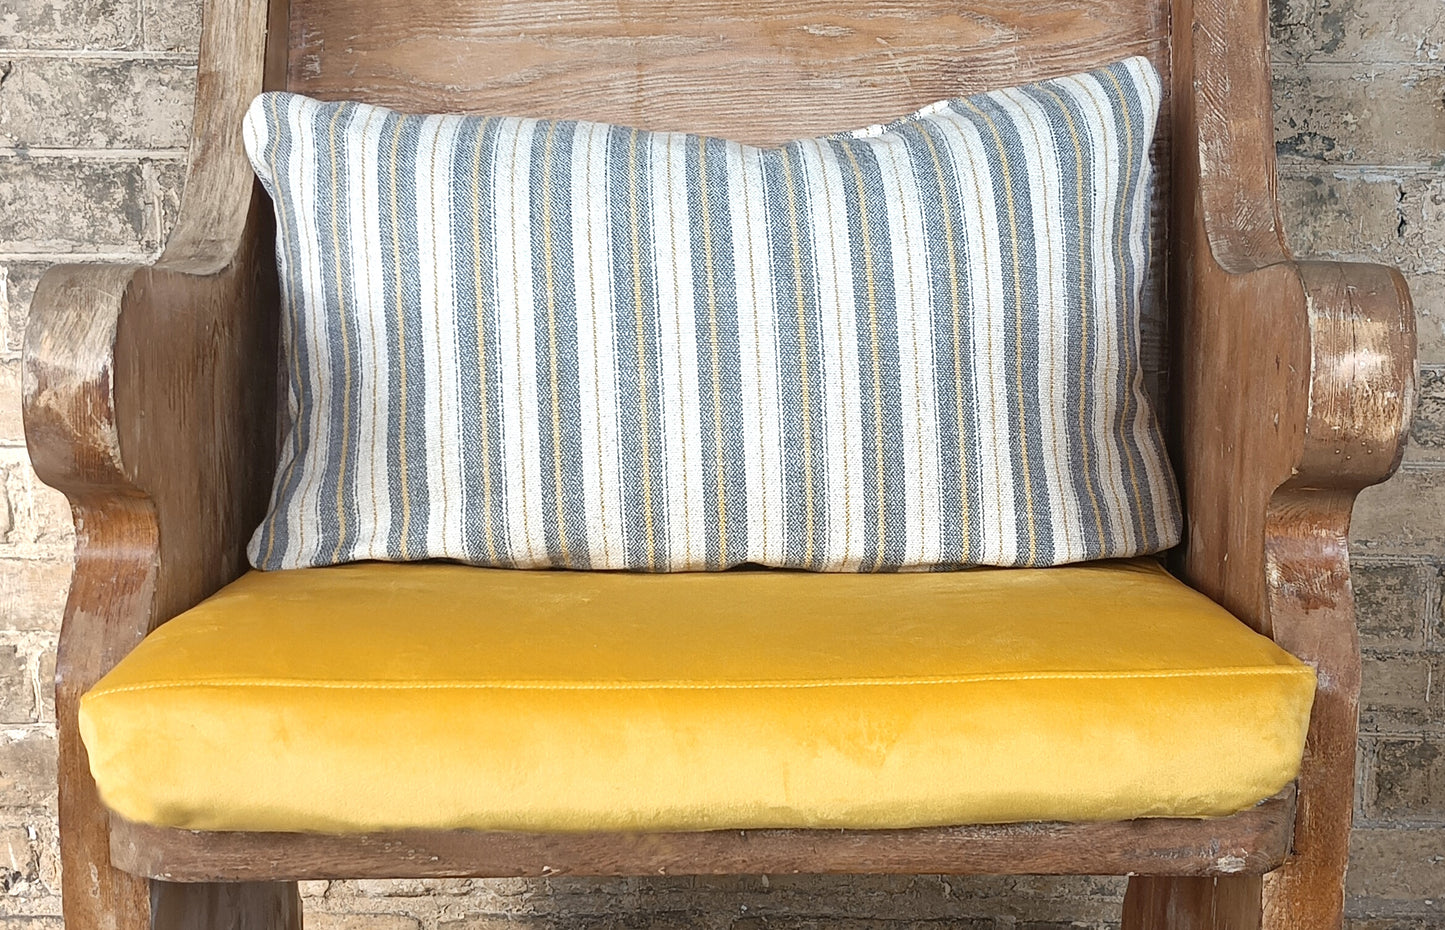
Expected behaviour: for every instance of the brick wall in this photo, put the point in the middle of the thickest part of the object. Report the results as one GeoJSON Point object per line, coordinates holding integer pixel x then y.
{"type": "Point", "coordinates": [95, 99]}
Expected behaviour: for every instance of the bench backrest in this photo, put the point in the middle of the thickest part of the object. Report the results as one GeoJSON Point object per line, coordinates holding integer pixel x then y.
{"type": "Point", "coordinates": [764, 71]}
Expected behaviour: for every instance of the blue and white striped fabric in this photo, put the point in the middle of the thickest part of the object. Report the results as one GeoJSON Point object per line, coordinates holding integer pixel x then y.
{"type": "Point", "coordinates": [528, 343]}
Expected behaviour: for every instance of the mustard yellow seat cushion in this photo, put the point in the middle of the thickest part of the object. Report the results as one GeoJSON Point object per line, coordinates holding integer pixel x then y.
{"type": "Point", "coordinates": [379, 696]}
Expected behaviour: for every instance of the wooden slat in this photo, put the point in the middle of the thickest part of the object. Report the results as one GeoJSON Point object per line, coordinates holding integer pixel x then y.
{"type": "Point", "coordinates": [756, 72]}
{"type": "Point", "coordinates": [1253, 841]}
{"type": "Point", "coordinates": [1154, 902]}
{"type": "Point", "coordinates": [225, 906]}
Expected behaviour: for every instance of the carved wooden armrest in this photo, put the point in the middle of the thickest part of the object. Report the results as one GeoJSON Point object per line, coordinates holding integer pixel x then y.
{"type": "Point", "coordinates": [1293, 387]}
{"type": "Point", "coordinates": [150, 389]}
{"type": "Point", "coordinates": [150, 400]}
{"type": "Point", "coordinates": [1295, 382]}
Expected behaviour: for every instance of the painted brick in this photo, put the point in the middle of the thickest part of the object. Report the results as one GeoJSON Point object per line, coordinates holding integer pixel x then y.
{"type": "Point", "coordinates": [47, 850]}
{"type": "Point", "coordinates": [1390, 602]}
{"type": "Point", "coordinates": [172, 25]}
{"type": "Point", "coordinates": [1356, 30]}
{"type": "Point", "coordinates": [12, 425]}
{"type": "Point", "coordinates": [19, 860]}
{"type": "Point", "coordinates": [1367, 214]}
{"type": "Point", "coordinates": [1435, 632]}
{"type": "Point", "coordinates": [1428, 293]}
{"type": "Point", "coordinates": [49, 523]}
{"type": "Point", "coordinates": [1016, 897]}
{"type": "Point", "coordinates": [71, 205]}
{"type": "Point", "coordinates": [807, 923]}
{"type": "Point", "coordinates": [97, 103]}
{"type": "Point", "coordinates": [1409, 782]}
{"type": "Point", "coordinates": [1396, 865]}
{"type": "Point", "coordinates": [327, 921]}
{"type": "Point", "coordinates": [8, 532]}
{"type": "Point", "coordinates": [415, 887]}
{"type": "Point", "coordinates": [27, 769]}
{"type": "Point", "coordinates": [566, 902]}
{"type": "Point", "coordinates": [1420, 243]}
{"type": "Point", "coordinates": [32, 593]}
{"type": "Point", "coordinates": [30, 906]}
{"type": "Point", "coordinates": [1329, 216]}
{"type": "Point", "coordinates": [40, 522]}
{"type": "Point", "coordinates": [17, 286]}
{"type": "Point", "coordinates": [1029, 897]}
{"type": "Point", "coordinates": [70, 24]}
{"type": "Point", "coordinates": [1396, 694]}
{"type": "Point", "coordinates": [1351, 113]}
{"type": "Point", "coordinates": [645, 920]}
{"type": "Point", "coordinates": [497, 896]}
{"type": "Point", "coordinates": [17, 693]}
{"type": "Point", "coordinates": [566, 898]}
{"type": "Point", "coordinates": [47, 686]}
{"type": "Point", "coordinates": [1403, 516]}
{"type": "Point", "coordinates": [1427, 432]}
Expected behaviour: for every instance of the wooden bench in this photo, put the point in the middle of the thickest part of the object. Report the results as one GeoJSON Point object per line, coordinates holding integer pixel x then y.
{"type": "Point", "coordinates": [150, 401]}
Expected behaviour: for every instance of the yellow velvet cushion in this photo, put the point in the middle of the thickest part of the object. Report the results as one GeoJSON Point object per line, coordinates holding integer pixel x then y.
{"type": "Point", "coordinates": [377, 696]}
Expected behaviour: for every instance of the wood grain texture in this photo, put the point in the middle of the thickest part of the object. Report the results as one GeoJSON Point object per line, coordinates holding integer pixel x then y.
{"type": "Point", "coordinates": [755, 72]}
{"type": "Point", "coordinates": [1253, 841]}
{"type": "Point", "coordinates": [1155, 903]}
{"type": "Point", "coordinates": [149, 401]}
{"type": "Point", "coordinates": [226, 906]}
{"type": "Point", "coordinates": [1294, 384]}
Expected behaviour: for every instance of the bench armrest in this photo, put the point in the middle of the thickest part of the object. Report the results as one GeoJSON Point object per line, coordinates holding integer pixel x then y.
{"type": "Point", "coordinates": [150, 402]}
{"type": "Point", "coordinates": [1294, 385]}
{"type": "Point", "coordinates": [150, 389]}
{"type": "Point", "coordinates": [1291, 378]}
{"type": "Point", "coordinates": [1294, 382]}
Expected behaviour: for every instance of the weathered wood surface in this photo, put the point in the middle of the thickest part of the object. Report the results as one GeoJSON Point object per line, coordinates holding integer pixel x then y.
{"type": "Point", "coordinates": [1229, 903]}
{"type": "Point", "coordinates": [150, 402]}
{"type": "Point", "coordinates": [1294, 383]}
{"type": "Point", "coordinates": [1253, 841]}
{"type": "Point", "coordinates": [756, 72]}
{"type": "Point", "coordinates": [226, 906]}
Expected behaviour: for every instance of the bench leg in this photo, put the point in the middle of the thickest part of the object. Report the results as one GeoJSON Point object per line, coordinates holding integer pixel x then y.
{"type": "Point", "coordinates": [225, 906]}
{"type": "Point", "coordinates": [1155, 903]}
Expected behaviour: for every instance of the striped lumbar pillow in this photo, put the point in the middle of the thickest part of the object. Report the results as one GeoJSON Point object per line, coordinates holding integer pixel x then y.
{"type": "Point", "coordinates": [532, 343]}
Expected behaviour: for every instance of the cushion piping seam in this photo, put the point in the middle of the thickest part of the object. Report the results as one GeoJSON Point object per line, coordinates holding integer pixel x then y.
{"type": "Point", "coordinates": [694, 685]}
